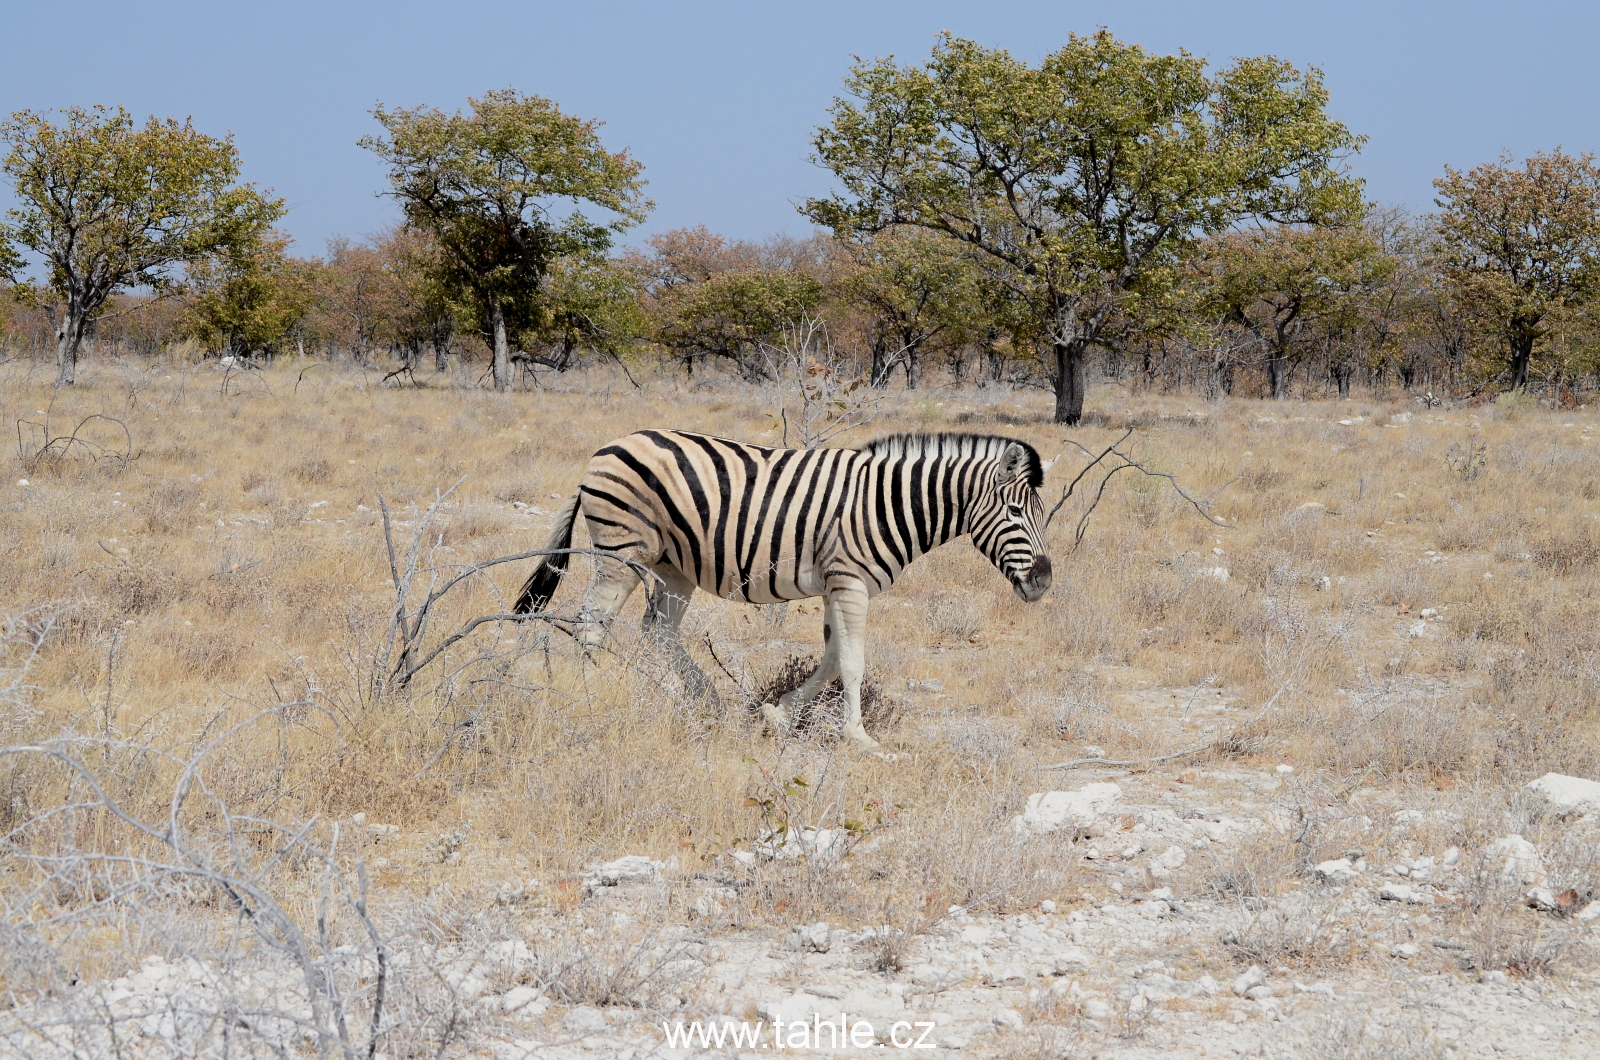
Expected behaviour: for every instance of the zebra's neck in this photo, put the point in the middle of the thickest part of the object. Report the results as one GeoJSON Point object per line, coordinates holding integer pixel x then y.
{"type": "Point", "coordinates": [917, 502]}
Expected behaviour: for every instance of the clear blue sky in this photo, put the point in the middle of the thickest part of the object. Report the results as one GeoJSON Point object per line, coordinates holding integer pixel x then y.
{"type": "Point", "coordinates": [718, 100]}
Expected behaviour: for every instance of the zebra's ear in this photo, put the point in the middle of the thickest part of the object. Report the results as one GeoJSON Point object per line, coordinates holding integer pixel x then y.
{"type": "Point", "coordinates": [1013, 464]}
{"type": "Point", "coordinates": [1044, 468]}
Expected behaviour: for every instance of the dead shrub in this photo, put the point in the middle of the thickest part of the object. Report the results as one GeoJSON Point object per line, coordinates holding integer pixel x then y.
{"type": "Point", "coordinates": [957, 616]}
{"type": "Point", "coordinates": [1355, 1035]}
{"type": "Point", "coordinates": [1297, 929]}
{"type": "Point", "coordinates": [169, 507]}
{"type": "Point", "coordinates": [205, 653]}
{"type": "Point", "coordinates": [1390, 732]}
{"type": "Point", "coordinates": [1261, 478]}
{"type": "Point", "coordinates": [1564, 554]}
{"type": "Point", "coordinates": [826, 712]}
{"type": "Point", "coordinates": [1488, 615]}
{"type": "Point", "coordinates": [313, 472]}
{"type": "Point", "coordinates": [136, 588]}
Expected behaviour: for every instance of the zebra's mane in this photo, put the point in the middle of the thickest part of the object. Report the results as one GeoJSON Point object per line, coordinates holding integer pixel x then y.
{"type": "Point", "coordinates": [950, 443]}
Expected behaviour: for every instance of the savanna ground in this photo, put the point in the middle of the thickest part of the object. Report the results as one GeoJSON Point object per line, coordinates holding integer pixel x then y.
{"type": "Point", "coordinates": [211, 757]}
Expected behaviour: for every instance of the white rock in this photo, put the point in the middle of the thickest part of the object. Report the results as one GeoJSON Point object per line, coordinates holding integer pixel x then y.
{"type": "Point", "coordinates": [811, 938]}
{"type": "Point", "coordinates": [1050, 811]}
{"type": "Point", "coordinates": [1008, 1018]}
{"type": "Point", "coordinates": [585, 1019]}
{"type": "Point", "coordinates": [1251, 979]}
{"type": "Point", "coordinates": [1096, 1009]}
{"type": "Point", "coordinates": [1519, 860]}
{"type": "Point", "coordinates": [1566, 796]}
{"type": "Point", "coordinates": [1091, 751]}
{"type": "Point", "coordinates": [1589, 912]}
{"type": "Point", "coordinates": [1406, 950]}
{"type": "Point", "coordinates": [1419, 628]}
{"type": "Point", "coordinates": [1216, 574]}
{"type": "Point", "coordinates": [635, 868]}
{"type": "Point", "coordinates": [1340, 870]}
{"type": "Point", "coordinates": [1324, 583]}
{"type": "Point", "coordinates": [1172, 858]}
{"type": "Point", "coordinates": [1047, 906]}
{"type": "Point", "coordinates": [1285, 768]}
{"type": "Point", "coordinates": [523, 1001]}
{"type": "Point", "coordinates": [1207, 985]}
{"type": "Point", "coordinates": [1399, 892]}
{"type": "Point", "coordinates": [1068, 960]}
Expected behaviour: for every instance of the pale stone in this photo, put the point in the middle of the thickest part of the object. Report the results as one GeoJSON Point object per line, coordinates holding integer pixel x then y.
{"type": "Point", "coordinates": [1566, 796]}
{"type": "Point", "coordinates": [1248, 981]}
{"type": "Point", "coordinates": [1340, 870]}
{"type": "Point", "coordinates": [1050, 811]}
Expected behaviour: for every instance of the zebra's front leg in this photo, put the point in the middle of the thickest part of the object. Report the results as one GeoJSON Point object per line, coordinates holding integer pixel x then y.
{"type": "Point", "coordinates": [850, 636]}
{"type": "Point", "coordinates": [777, 715]}
{"type": "Point", "coordinates": [668, 603]}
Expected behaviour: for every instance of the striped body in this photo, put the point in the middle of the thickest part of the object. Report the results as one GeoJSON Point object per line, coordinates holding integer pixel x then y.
{"type": "Point", "coordinates": [764, 525]}
{"type": "Point", "coordinates": [759, 525]}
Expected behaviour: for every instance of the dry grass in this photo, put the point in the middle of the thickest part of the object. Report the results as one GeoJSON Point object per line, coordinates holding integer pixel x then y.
{"type": "Point", "coordinates": [234, 559]}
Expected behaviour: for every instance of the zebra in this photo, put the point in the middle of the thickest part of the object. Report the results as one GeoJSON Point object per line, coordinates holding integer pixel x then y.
{"type": "Point", "coordinates": [759, 525]}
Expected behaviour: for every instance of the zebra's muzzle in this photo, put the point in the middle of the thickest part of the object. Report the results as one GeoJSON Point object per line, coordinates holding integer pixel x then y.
{"type": "Point", "coordinates": [1037, 581]}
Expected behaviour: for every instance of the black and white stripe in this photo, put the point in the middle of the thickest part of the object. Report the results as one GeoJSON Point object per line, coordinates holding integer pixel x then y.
{"type": "Point", "coordinates": [760, 525]}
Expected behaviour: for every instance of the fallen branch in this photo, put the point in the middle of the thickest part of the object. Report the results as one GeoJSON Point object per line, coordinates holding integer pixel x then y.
{"type": "Point", "coordinates": [1176, 755]}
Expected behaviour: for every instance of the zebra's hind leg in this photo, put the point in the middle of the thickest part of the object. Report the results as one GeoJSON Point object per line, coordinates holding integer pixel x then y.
{"type": "Point", "coordinates": [613, 583]}
{"type": "Point", "coordinates": [668, 602]}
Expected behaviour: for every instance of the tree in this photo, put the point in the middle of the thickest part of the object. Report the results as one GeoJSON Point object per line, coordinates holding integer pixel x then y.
{"type": "Point", "coordinates": [1521, 243]}
{"type": "Point", "coordinates": [916, 286]}
{"type": "Point", "coordinates": [1080, 181]}
{"type": "Point", "coordinates": [108, 205]}
{"type": "Point", "coordinates": [738, 316]}
{"type": "Point", "coordinates": [250, 299]}
{"type": "Point", "coordinates": [590, 302]}
{"type": "Point", "coordinates": [1277, 281]}
{"type": "Point", "coordinates": [425, 313]}
{"type": "Point", "coordinates": [488, 187]}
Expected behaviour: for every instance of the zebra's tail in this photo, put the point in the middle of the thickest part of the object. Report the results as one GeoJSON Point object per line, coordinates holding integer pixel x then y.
{"type": "Point", "coordinates": [541, 584]}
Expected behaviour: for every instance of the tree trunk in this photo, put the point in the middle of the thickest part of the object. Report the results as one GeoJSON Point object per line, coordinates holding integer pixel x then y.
{"type": "Point", "coordinates": [1341, 375]}
{"type": "Point", "coordinates": [69, 337]}
{"type": "Point", "coordinates": [502, 352]}
{"type": "Point", "coordinates": [1521, 359]}
{"type": "Point", "coordinates": [880, 368]}
{"type": "Point", "coordinates": [1278, 375]}
{"type": "Point", "coordinates": [913, 367]}
{"type": "Point", "coordinates": [1071, 367]}
{"type": "Point", "coordinates": [441, 333]}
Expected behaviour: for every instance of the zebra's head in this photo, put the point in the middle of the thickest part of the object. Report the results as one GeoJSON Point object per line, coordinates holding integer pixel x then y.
{"type": "Point", "coordinates": [1008, 521]}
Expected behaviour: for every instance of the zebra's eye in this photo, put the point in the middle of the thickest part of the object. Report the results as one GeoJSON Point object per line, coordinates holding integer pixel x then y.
{"type": "Point", "coordinates": [1015, 510]}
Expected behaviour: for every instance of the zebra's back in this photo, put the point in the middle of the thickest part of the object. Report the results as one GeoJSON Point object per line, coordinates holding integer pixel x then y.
{"type": "Point", "coordinates": [742, 521]}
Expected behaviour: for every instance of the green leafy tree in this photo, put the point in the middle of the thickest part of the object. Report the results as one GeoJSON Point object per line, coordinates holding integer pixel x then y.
{"type": "Point", "coordinates": [490, 187]}
{"type": "Point", "coordinates": [918, 288]}
{"type": "Point", "coordinates": [423, 305]}
{"type": "Point", "coordinates": [250, 300]}
{"type": "Point", "coordinates": [1081, 181]}
{"type": "Point", "coordinates": [1278, 282]}
{"type": "Point", "coordinates": [739, 316]}
{"type": "Point", "coordinates": [1520, 244]}
{"type": "Point", "coordinates": [593, 303]}
{"type": "Point", "coordinates": [108, 205]}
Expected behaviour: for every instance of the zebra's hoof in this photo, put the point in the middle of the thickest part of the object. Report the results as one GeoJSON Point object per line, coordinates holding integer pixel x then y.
{"type": "Point", "coordinates": [857, 736]}
{"type": "Point", "coordinates": [775, 717]}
